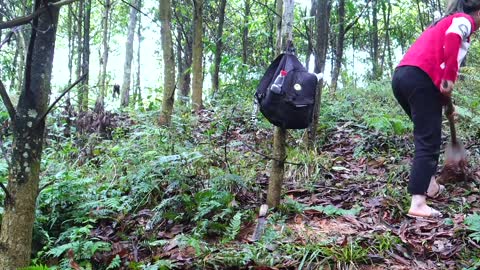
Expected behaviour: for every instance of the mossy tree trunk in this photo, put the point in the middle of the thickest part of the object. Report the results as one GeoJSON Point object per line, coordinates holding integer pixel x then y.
{"type": "Point", "coordinates": [197, 75]}
{"type": "Point", "coordinates": [28, 133]}
{"type": "Point", "coordinates": [169, 62]}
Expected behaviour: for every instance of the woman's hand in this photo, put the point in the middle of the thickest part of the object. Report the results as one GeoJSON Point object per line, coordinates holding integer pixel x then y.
{"type": "Point", "coordinates": [446, 88]}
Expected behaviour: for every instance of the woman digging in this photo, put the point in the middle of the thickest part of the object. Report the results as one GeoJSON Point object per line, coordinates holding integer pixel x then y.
{"type": "Point", "coordinates": [422, 83]}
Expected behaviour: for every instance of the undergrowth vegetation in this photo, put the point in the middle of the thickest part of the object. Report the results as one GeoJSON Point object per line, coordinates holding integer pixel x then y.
{"type": "Point", "coordinates": [187, 196]}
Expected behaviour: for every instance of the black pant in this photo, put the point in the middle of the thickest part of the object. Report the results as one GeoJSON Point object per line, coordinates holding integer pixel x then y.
{"type": "Point", "coordinates": [422, 101]}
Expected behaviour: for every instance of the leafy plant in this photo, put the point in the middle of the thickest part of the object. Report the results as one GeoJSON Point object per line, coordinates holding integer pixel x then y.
{"type": "Point", "coordinates": [234, 228]}
{"type": "Point", "coordinates": [473, 224]}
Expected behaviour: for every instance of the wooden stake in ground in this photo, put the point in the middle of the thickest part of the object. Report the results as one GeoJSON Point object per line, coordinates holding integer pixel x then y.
{"type": "Point", "coordinates": [279, 140]}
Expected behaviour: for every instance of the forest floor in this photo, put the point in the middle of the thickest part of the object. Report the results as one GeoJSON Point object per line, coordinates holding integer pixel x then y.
{"type": "Point", "coordinates": [346, 212]}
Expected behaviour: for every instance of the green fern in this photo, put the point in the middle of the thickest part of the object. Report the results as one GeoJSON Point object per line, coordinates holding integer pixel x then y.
{"type": "Point", "coordinates": [234, 228]}
{"type": "Point", "coordinates": [115, 264]}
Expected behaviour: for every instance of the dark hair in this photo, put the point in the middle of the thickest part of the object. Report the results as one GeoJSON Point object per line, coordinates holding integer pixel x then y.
{"type": "Point", "coordinates": [462, 6]}
{"type": "Point", "coordinates": [465, 6]}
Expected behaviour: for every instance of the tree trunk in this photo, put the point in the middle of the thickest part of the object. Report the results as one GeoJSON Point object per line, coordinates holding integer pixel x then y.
{"type": "Point", "coordinates": [376, 72]}
{"type": "Point", "coordinates": [245, 32]}
{"type": "Point", "coordinates": [339, 45]}
{"type": "Point", "coordinates": [86, 53]}
{"type": "Point", "coordinates": [420, 14]}
{"type": "Point", "coordinates": [127, 68]}
{"type": "Point", "coordinates": [20, 67]}
{"type": "Point", "coordinates": [138, 92]}
{"type": "Point", "coordinates": [168, 63]}
{"type": "Point", "coordinates": [197, 86]}
{"type": "Point", "coordinates": [78, 71]}
{"type": "Point", "coordinates": [280, 136]}
{"type": "Point", "coordinates": [219, 47]}
{"type": "Point", "coordinates": [322, 21]}
{"type": "Point", "coordinates": [309, 33]}
{"type": "Point", "coordinates": [71, 50]}
{"type": "Point", "coordinates": [28, 134]}
{"type": "Point", "coordinates": [278, 23]}
{"type": "Point", "coordinates": [181, 54]}
{"type": "Point", "coordinates": [187, 75]}
{"type": "Point", "coordinates": [388, 40]}
{"type": "Point", "coordinates": [71, 44]}
{"type": "Point", "coordinates": [275, 182]}
{"type": "Point", "coordinates": [100, 102]}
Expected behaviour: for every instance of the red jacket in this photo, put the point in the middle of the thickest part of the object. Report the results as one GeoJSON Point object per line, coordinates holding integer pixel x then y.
{"type": "Point", "coordinates": [441, 48]}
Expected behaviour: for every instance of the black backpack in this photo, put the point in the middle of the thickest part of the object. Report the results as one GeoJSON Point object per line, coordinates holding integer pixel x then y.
{"type": "Point", "coordinates": [293, 107]}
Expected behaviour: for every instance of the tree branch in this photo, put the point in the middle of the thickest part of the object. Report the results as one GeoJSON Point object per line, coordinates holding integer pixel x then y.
{"type": "Point", "coordinates": [140, 11]}
{"type": "Point", "coordinates": [26, 19]}
{"type": "Point", "coordinates": [349, 26]}
{"type": "Point", "coordinates": [60, 97]}
{"type": "Point", "coordinates": [7, 194]}
{"type": "Point", "coordinates": [7, 102]}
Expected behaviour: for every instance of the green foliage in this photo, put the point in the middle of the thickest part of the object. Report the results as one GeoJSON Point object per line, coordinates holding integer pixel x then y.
{"type": "Point", "coordinates": [292, 206]}
{"type": "Point", "coordinates": [79, 243]}
{"type": "Point", "coordinates": [233, 228]}
{"type": "Point", "coordinates": [473, 224]}
{"type": "Point", "coordinates": [331, 210]}
{"type": "Point", "coordinates": [115, 264]}
{"type": "Point", "coordinates": [474, 265]}
{"type": "Point", "coordinates": [36, 267]}
{"type": "Point", "coordinates": [351, 253]}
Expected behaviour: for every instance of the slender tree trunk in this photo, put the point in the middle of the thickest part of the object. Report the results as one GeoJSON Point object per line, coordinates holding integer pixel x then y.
{"type": "Point", "coordinates": [180, 66]}
{"type": "Point", "coordinates": [339, 46]}
{"type": "Point", "coordinates": [86, 53]}
{"type": "Point", "coordinates": [219, 46]}
{"type": "Point", "coordinates": [28, 134]}
{"type": "Point", "coordinates": [20, 67]}
{"type": "Point", "coordinates": [71, 44]}
{"type": "Point", "coordinates": [169, 63]}
{"type": "Point", "coordinates": [322, 21]}
{"type": "Point", "coordinates": [278, 23]}
{"type": "Point", "coordinates": [376, 72]}
{"type": "Point", "coordinates": [78, 70]}
{"type": "Point", "coordinates": [387, 36]}
{"type": "Point", "coordinates": [127, 68]}
{"type": "Point", "coordinates": [197, 87]}
{"type": "Point", "coordinates": [71, 51]}
{"type": "Point", "coordinates": [420, 14]}
{"type": "Point", "coordinates": [280, 136]}
{"type": "Point", "coordinates": [245, 32]}
{"type": "Point", "coordinates": [100, 102]}
{"type": "Point", "coordinates": [309, 34]}
{"type": "Point", "coordinates": [138, 92]}
{"type": "Point", "coordinates": [186, 74]}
